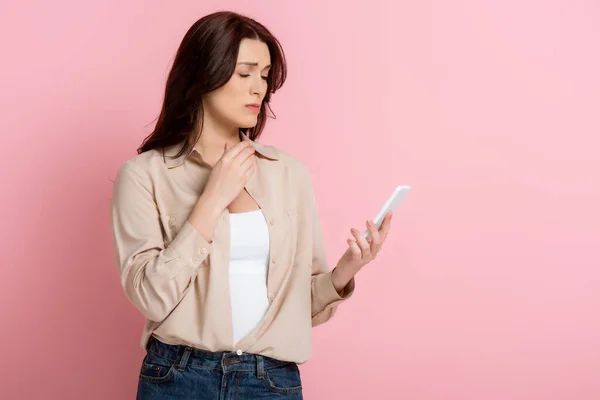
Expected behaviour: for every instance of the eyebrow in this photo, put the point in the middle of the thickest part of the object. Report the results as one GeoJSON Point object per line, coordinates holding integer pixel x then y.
{"type": "Point", "coordinates": [253, 64]}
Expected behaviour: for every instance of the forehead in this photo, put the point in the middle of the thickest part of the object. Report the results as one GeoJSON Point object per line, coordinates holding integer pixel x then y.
{"type": "Point", "coordinates": [252, 50]}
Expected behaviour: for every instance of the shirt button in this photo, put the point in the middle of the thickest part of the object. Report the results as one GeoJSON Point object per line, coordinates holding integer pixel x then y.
{"type": "Point", "coordinates": [272, 261]}
{"type": "Point", "coordinates": [272, 222]}
{"type": "Point", "coordinates": [271, 298]}
{"type": "Point", "coordinates": [203, 250]}
{"type": "Point", "coordinates": [172, 220]}
{"type": "Point", "coordinates": [254, 193]}
{"type": "Point", "coordinates": [195, 260]}
{"type": "Point", "coordinates": [239, 352]}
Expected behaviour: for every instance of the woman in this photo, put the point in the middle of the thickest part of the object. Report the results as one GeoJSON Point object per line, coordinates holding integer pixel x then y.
{"type": "Point", "coordinates": [217, 236]}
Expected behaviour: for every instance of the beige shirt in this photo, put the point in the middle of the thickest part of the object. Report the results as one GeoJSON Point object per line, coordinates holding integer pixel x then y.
{"type": "Point", "coordinates": [180, 282]}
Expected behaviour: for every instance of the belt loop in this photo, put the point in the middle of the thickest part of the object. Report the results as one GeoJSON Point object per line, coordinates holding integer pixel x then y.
{"type": "Point", "coordinates": [184, 359]}
{"type": "Point", "coordinates": [260, 367]}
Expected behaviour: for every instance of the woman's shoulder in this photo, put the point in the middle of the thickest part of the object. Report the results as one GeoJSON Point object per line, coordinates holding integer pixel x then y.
{"type": "Point", "coordinates": [297, 166]}
{"type": "Point", "coordinates": [141, 166]}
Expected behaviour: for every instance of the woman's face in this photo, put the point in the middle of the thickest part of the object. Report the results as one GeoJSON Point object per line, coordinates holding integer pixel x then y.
{"type": "Point", "coordinates": [238, 102]}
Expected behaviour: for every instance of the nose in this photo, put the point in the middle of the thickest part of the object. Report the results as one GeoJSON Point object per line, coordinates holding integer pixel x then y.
{"type": "Point", "coordinates": [258, 87]}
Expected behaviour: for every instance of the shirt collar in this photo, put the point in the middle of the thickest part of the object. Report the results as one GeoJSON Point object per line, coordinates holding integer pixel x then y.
{"type": "Point", "coordinates": [171, 161]}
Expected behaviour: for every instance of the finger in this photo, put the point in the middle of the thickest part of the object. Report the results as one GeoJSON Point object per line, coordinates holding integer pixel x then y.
{"type": "Point", "coordinates": [233, 151]}
{"type": "Point", "coordinates": [354, 249]}
{"type": "Point", "coordinates": [241, 157]}
{"type": "Point", "coordinates": [385, 227]}
{"type": "Point", "coordinates": [224, 151]}
{"type": "Point", "coordinates": [248, 173]}
{"type": "Point", "coordinates": [362, 243]}
{"type": "Point", "coordinates": [375, 241]}
{"type": "Point", "coordinates": [248, 163]}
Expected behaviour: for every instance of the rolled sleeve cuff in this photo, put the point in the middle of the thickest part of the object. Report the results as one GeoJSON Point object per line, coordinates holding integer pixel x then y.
{"type": "Point", "coordinates": [327, 293]}
{"type": "Point", "coordinates": [190, 245]}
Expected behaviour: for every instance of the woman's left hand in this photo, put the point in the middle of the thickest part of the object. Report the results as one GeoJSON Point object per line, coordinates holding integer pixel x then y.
{"type": "Point", "coordinates": [360, 252]}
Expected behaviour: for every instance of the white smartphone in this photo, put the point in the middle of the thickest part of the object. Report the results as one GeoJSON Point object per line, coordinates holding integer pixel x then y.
{"type": "Point", "coordinates": [390, 205]}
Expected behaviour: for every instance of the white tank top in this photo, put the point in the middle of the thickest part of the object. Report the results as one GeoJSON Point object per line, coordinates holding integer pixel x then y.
{"type": "Point", "coordinates": [248, 265]}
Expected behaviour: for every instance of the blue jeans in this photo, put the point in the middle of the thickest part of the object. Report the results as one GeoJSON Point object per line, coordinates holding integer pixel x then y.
{"type": "Point", "coordinates": [181, 372]}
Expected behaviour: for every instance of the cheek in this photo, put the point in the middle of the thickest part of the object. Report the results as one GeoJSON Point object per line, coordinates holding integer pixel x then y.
{"type": "Point", "coordinates": [220, 100]}
{"type": "Point", "coordinates": [228, 102]}
{"type": "Point", "coordinates": [238, 88]}
{"type": "Point", "coordinates": [232, 93]}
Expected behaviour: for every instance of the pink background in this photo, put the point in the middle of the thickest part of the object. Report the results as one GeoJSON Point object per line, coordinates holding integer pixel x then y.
{"type": "Point", "coordinates": [489, 285]}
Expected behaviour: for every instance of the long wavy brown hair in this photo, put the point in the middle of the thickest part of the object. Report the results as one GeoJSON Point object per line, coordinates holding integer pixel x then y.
{"type": "Point", "coordinates": [204, 62]}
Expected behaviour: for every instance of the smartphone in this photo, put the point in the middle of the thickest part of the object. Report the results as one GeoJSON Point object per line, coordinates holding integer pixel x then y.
{"type": "Point", "coordinates": [390, 205]}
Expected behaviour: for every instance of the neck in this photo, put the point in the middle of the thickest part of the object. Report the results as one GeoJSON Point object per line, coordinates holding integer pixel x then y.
{"type": "Point", "coordinates": [213, 138]}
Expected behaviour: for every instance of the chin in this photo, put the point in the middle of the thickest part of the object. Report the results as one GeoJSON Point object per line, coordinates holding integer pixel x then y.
{"type": "Point", "coordinates": [247, 122]}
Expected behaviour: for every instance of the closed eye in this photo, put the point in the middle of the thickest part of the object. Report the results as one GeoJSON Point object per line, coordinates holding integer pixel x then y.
{"type": "Point", "coordinates": [247, 75]}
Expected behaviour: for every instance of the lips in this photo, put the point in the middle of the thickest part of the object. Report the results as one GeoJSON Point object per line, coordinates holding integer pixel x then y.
{"type": "Point", "coordinates": [253, 107]}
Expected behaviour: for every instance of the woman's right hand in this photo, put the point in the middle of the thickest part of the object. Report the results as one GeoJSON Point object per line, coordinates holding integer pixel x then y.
{"type": "Point", "coordinates": [230, 174]}
{"type": "Point", "coordinates": [227, 179]}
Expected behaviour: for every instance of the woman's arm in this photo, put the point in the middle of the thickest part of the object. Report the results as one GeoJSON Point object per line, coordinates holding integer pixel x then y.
{"type": "Point", "coordinates": [154, 277]}
{"type": "Point", "coordinates": [324, 296]}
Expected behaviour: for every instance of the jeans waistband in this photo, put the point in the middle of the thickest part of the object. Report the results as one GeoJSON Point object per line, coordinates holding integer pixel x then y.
{"type": "Point", "coordinates": [225, 361]}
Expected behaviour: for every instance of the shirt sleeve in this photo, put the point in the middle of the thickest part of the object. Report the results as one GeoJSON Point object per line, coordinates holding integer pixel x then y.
{"type": "Point", "coordinates": [324, 298]}
{"type": "Point", "coordinates": [154, 277]}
